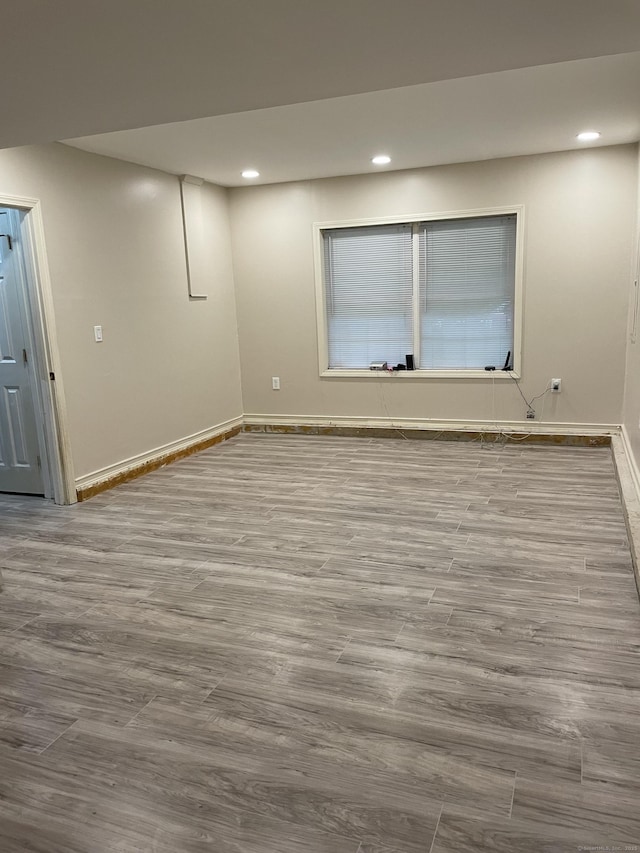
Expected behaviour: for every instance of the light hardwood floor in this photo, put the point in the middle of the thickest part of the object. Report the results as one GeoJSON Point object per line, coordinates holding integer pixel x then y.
{"type": "Point", "coordinates": [324, 645]}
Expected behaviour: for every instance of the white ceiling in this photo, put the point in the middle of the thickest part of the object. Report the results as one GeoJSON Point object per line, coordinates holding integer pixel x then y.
{"type": "Point", "coordinates": [78, 67]}
{"type": "Point", "coordinates": [524, 111]}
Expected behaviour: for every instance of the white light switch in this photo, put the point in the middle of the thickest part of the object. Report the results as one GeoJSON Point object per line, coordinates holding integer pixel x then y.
{"type": "Point", "coordinates": [97, 331]}
{"type": "Point", "coordinates": [275, 383]}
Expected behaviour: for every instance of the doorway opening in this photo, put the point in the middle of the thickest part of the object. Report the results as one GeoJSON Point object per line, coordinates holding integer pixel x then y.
{"type": "Point", "coordinates": [35, 456]}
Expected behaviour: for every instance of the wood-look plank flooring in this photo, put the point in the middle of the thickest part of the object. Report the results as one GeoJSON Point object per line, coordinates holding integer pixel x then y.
{"type": "Point", "coordinates": [293, 644]}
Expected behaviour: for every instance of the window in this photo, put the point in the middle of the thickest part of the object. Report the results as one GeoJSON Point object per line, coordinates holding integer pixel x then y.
{"type": "Point", "coordinates": [442, 289]}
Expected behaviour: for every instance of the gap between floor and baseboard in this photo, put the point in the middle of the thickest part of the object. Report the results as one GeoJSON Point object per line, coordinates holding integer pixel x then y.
{"type": "Point", "coordinates": [587, 435]}
{"type": "Point", "coordinates": [129, 469]}
{"type": "Point", "coordinates": [584, 435]}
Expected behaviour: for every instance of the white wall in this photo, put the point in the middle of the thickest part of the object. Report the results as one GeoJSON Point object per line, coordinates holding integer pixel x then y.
{"type": "Point", "coordinates": [578, 244]}
{"type": "Point", "coordinates": [631, 414]}
{"type": "Point", "coordinates": [168, 367]}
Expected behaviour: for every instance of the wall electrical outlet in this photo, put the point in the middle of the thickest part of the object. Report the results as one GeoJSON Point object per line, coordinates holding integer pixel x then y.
{"type": "Point", "coordinates": [275, 383]}
{"type": "Point", "coordinates": [97, 333]}
{"type": "Point", "coordinates": [556, 385]}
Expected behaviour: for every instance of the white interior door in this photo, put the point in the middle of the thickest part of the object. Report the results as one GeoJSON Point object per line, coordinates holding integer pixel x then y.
{"type": "Point", "coordinates": [20, 463]}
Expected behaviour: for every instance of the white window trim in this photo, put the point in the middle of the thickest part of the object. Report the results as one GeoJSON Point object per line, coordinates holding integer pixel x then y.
{"type": "Point", "coordinates": [412, 375]}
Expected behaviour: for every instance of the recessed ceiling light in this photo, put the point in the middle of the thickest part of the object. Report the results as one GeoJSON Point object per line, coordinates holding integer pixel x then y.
{"type": "Point", "coordinates": [250, 173]}
{"type": "Point", "coordinates": [588, 135]}
{"type": "Point", "coordinates": [381, 160]}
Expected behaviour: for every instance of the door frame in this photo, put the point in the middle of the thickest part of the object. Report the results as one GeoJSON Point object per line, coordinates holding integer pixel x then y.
{"type": "Point", "coordinates": [49, 397]}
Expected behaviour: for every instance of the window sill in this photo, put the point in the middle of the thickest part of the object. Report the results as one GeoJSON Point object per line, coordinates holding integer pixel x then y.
{"type": "Point", "coordinates": [404, 375]}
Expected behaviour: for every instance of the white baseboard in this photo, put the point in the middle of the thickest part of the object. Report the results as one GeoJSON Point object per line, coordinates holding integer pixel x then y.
{"type": "Point", "coordinates": [532, 427]}
{"type": "Point", "coordinates": [623, 446]}
{"type": "Point", "coordinates": [628, 475]}
{"type": "Point", "coordinates": [118, 468]}
{"type": "Point", "coordinates": [547, 428]}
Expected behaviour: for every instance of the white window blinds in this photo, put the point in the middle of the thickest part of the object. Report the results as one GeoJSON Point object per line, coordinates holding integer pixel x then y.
{"type": "Point", "coordinates": [368, 294]}
{"type": "Point", "coordinates": [444, 290]}
{"type": "Point", "coordinates": [467, 280]}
